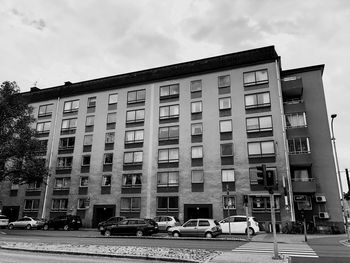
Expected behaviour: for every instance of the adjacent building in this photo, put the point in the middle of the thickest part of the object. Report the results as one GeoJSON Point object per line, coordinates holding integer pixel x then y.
{"type": "Point", "coordinates": [186, 140]}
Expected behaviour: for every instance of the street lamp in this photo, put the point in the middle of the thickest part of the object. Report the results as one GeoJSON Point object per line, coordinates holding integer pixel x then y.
{"type": "Point", "coordinates": [333, 116]}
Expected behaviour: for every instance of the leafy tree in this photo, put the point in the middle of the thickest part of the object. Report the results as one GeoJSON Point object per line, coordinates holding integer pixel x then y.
{"type": "Point", "coordinates": [19, 162]}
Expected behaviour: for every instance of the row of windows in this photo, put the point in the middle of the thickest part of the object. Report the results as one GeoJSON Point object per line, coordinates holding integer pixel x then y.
{"type": "Point", "coordinates": [137, 96]}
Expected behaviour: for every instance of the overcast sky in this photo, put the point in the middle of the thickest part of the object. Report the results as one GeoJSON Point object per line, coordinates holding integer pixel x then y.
{"type": "Point", "coordinates": [50, 42]}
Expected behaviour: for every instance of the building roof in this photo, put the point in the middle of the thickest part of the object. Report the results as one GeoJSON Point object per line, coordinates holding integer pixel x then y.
{"type": "Point", "coordinates": [212, 64]}
{"type": "Point", "coordinates": [294, 71]}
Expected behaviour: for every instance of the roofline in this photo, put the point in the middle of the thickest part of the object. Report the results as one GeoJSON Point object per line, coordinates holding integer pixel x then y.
{"type": "Point", "coordinates": [302, 70]}
{"type": "Point", "coordinates": [211, 64]}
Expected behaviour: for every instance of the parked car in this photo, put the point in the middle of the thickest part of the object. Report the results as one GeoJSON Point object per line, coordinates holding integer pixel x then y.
{"type": "Point", "coordinates": [238, 225]}
{"type": "Point", "coordinates": [201, 227]}
{"type": "Point", "coordinates": [4, 221]}
{"type": "Point", "coordinates": [132, 226]}
{"type": "Point", "coordinates": [110, 221]}
{"type": "Point", "coordinates": [66, 222]}
{"type": "Point", "coordinates": [165, 222]}
{"type": "Point", "coordinates": [27, 223]}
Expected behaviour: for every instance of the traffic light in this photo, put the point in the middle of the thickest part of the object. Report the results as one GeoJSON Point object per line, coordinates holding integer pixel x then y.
{"type": "Point", "coordinates": [261, 174]}
{"type": "Point", "coordinates": [269, 179]}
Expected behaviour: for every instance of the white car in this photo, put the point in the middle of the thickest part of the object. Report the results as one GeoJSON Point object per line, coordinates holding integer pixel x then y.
{"type": "Point", "coordinates": [165, 222]}
{"type": "Point", "coordinates": [238, 225]}
{"type": "Point", "coordinates": [4, 221]}
{"type": "Point", "coordinates": [27, 223]}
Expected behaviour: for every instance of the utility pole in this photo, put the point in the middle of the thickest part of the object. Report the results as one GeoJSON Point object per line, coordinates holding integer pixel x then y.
{"type": "Point", "coordinates": [228, 208]}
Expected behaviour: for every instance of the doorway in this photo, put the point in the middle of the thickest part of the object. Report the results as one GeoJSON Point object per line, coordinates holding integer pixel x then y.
{"type": "Point", "coordinates": [193, 211]}
{"type": "Point", "coordinates": [12, 212]}
{"type": "Point", "coordinates": [102, 213]}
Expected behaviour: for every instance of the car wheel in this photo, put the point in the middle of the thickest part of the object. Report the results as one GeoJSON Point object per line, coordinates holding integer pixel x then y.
{"type": "Point", "coordinates": [10, 226]}
{"type": "Point", "coordinates": [167, 229]}
{"type": "Point", "coordinates": [176, 234]}
{"type": "Point", "coordinates": [251, 231]}
{"type": "Point", "coordinates": [46, 227]}
{"type": "Point", "coordinates": [107, 233]}
{"type": "Point", "coordinates": [139, 233]}
{"type": "Point", "coordinates": [66, 227]}
{"type": "Point", "coordinates": [28, 227]}
{"type": "Point", "coordinates": [208, 235]}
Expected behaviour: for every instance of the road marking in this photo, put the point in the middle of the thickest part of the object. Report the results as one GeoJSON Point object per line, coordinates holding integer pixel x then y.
{"type": "Point", "coordinates": [345, 242]}
{"type": "Point", "coordinates": [3, 233]}
{"type": "Point", "coordinates": [295, 250]}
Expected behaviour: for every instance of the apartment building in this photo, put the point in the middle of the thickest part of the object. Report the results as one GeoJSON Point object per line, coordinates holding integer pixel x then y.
{"type": "Point", "coordinates": [185, 140]}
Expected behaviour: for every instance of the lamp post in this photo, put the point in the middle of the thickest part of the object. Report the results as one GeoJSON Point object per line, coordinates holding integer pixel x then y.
{"type": "Point", "coordinates": [333, 116]}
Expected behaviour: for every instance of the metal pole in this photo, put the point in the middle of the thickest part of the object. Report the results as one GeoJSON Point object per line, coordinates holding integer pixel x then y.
{"type": "Point", "coordinates": [339, 178]}
{"type": "Point", "coordinates": [248, 223]}
{"type": "Point", "coordinates": [273, 220]}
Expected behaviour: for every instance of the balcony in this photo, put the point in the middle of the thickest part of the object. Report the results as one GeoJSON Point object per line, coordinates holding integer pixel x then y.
{"type": "Point", "coordinates": [304, 185]}
{"type": "Point", "coordinates": [292, 87]}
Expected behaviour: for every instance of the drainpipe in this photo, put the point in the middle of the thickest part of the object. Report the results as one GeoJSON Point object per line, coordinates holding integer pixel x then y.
{"type": "Point", "coordinates": [286, 177]}
{"type": "Point", "coordinates": [43, 214]}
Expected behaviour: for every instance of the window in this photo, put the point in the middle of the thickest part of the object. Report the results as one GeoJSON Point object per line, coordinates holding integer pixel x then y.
{"type": "Point", "coordinates": [261, 149]}
{"type": "Point", "coordinates": [169, 133]}
{"type": "Point", "coordinates": [224, 81]}
{"type": "Point", "coordinates": [168, 155]}
{"type": "Point", "coordinates": [197, 176]}
{"type": "Point", "coordinates": [224, 103]}
{"type": "Point", "coordinates": [86, 160]}
{"type": "Point", "coordinates": [168, 179]}
{"type": "Point", "coordinates": [167, 204]}
{"type": "Point", "coordinates": [135, 116]}
{"type": "Point", "coordinates": [136, 96]}
{"type": "Point", "coordinates": [59, 204]}
{"type": "Point", "coordinates": [133, 158]}
{"type": "Point", "coordinates": [109, 137]}
{"type": "Point", "coordinates": [196, 107]}
{"type": "Point", "coordinates": [34, 185]}
{"type": "Point", "coordinates": [305, 205]}
{"type": "Point", "coordinates": [131, 180]}
{"type": "Point", "coordinates": [45, 110]}
{"type": "Point", "coordinates": [106, 180]}
{"type": "Point", "coordinates": [91, 102]}
{"type": "Point", "coordinates": [43, 127]}
{"type": "Point", "coordinates": [301, 175]}
{"type": "Point", "coordinates": [64, 162]}
{"type": "Point", "coordinates": [228, 175]}
{"type": "Point", "coordinates": [229, 202]}
{"type": "Point", "coordinates": [83, 203]}
{"type": "Point", "coordinates": [84, 181]}
{"type": "Point", "coordinates": [66, 143]}
{"type": "Point", "coordinates": [197, 152]}
{"type": "Point", "coordinates": [255, 174]}
{"type": "Point", "coordinates": [167, 112]}
{"type": "Point", "coordinates": [255, 77]}
{"type": "Point", "coordinates": [225, 126]}
{"type": "Point", "coordinates": [62, 183]}
{"type": "Point", "coordinates": [196, 85]}
{"type": "Point", "coordinates": [262, 203]}
{"type": "Point", "coordinates": [196, 129]}
{"type": "Point", "coordinates": [69, 124]}
{"type": "Point", "coordinates": [71, 106]}
{"type": "Point", "coordinates": [113, 98]}
{"type": "Point", "coordinates": [130, 204]}
{"type": "Point", "coordinates": [226, 149]}
{"type": "Point", "coordinates": [259, 124]}
{"type": "Point", "coordinates": [257, 100]}
{"type": "Point", "coordinates": [108, 158]}
{"type": "Point", "coordinates": [134, 136]}
{"type": "Point", "coordinates": [294, 120]}
{"type": "Point", "coordinates": [299, 145]}
{"type": "Point", "coordinates": [31, 204]}
{"type": "Point", "coordinates": [88, 140]}
{"type": "Point", "coordinates": [43, 145]}
{"type": "Point", "coordinates": [111, 117]}
{"type": "Point", "coordinates": [90, 120]}
{"type": "Point", "coordinates": [14, 186]}
{"type": "Point", "coordinates": [169, 91]}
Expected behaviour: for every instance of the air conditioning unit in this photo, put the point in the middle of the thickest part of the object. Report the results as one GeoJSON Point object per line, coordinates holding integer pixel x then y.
{"type": "Point", "coordinates": [323, 215]}
{"type": "Point", "coordinates": [320, 199]}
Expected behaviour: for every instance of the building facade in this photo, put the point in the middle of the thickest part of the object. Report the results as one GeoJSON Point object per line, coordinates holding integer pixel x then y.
{"type": "Point", "coordinates": [185, 140]}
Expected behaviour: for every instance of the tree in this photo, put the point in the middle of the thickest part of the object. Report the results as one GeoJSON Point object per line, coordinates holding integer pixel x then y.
{"type": "Point", "coordinates": [19, 160]}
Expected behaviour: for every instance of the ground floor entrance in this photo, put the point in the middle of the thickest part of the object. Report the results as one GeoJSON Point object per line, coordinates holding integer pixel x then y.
{"type": "Point", "coordinates": [193, 211]}
{"type": "Point", "coordinates": [102, 213]}
{"type": "Point", "coordinates": [12, 212]}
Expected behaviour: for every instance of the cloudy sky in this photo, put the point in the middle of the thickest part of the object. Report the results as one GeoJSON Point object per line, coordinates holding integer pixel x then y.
{"type": "Point", "coordinates": [49, 42]}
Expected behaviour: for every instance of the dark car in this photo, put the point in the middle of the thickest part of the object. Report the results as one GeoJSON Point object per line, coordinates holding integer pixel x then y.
{"type": "Point", "coordinates": [110, 221]}
{"type": "Point", "coordinates": [66, 222]}
{"type": "Point", "coordinates": [132, 226]}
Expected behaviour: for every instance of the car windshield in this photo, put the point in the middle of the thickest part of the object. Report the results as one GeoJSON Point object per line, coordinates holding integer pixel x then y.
{"type": "Point", "coordinates": [216, 223]}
